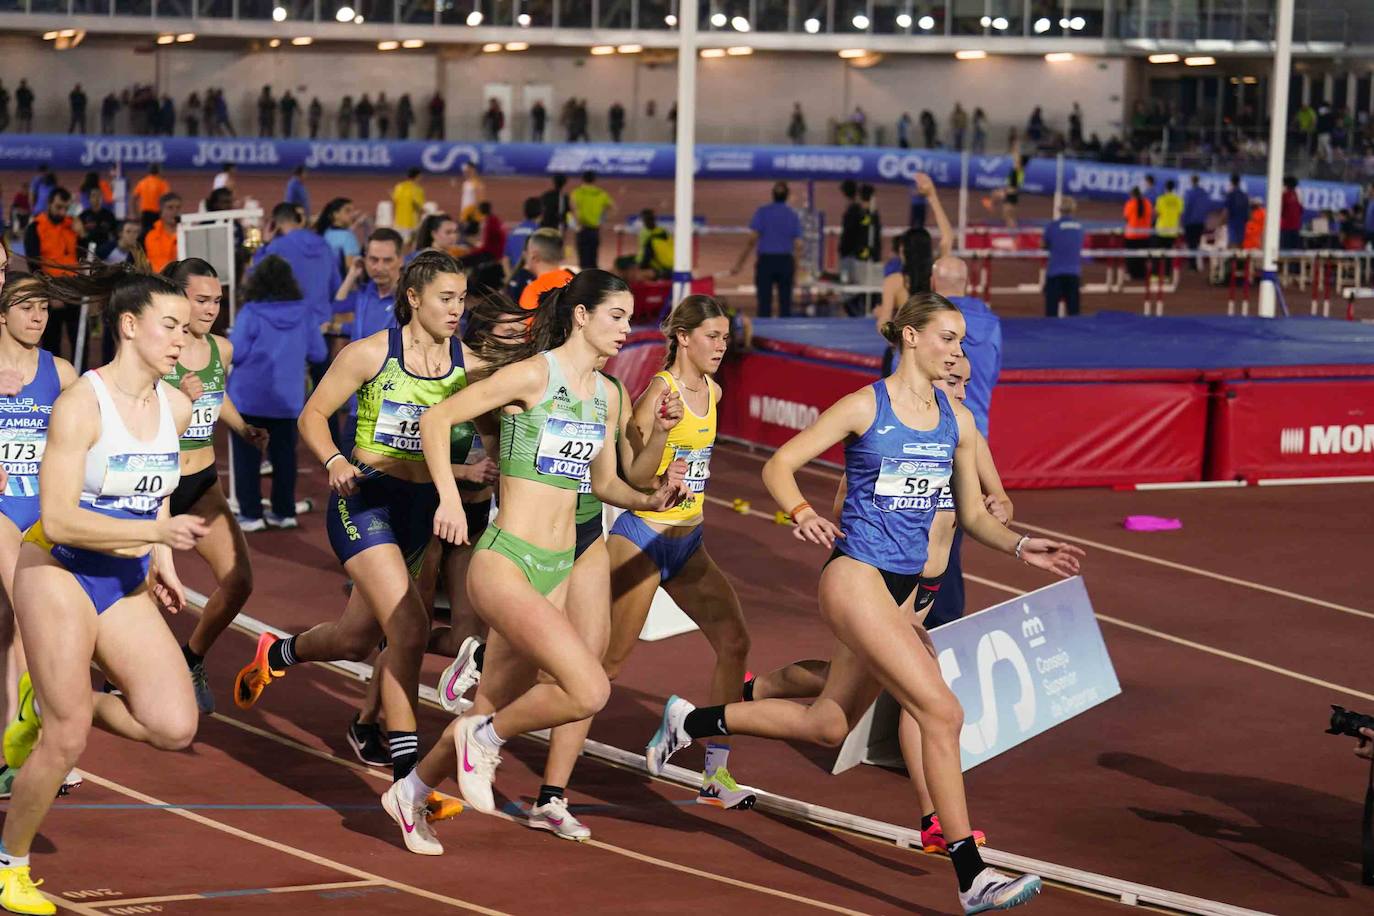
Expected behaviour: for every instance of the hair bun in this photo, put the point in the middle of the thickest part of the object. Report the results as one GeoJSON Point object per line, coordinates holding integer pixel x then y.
{"type": "Point", "coordinates": [891, 333]}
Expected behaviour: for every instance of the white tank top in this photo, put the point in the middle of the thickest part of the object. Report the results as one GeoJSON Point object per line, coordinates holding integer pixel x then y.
{"type": "Point", "coordinates": [469, 197]}
{"type": "Point", "coordinates": [127, 477]}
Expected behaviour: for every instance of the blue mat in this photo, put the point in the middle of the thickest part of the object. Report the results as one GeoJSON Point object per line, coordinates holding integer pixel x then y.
{"type": "Point", "coordinates": [1118, 340]}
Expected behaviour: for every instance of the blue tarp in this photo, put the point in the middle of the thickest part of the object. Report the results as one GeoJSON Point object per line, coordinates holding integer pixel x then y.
{"type": "Point", "coordinates": [1082, 178]}
{"type": "Point", "coordinates": [1118, 340]}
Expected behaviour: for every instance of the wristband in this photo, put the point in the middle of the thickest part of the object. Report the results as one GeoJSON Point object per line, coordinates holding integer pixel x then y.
{"type": "Point", "coordinates": [1019, 544]}
{"type": "Point", "coordinates": [800, 506]}
{"type": "Point", "coordinates": [331, 458]}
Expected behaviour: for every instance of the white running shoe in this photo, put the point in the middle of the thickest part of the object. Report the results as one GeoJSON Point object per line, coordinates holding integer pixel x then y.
{"type": "Point", "coordinates": [71, 782]}
{"type": "Point", "coordinates": [721, 791]}
{"type": "Point", "coordinates": [992, 890]}
{"type": "Point", "coordinates": [459, 677]}
{"type": "Point", "coordinates": [476, 765]}
{"type": "Point", "coordinates": [410, 817]}
{"type": "Point", "coordinates": [556, 819]}
{"type": "Point", "coordinates": [670, 737]}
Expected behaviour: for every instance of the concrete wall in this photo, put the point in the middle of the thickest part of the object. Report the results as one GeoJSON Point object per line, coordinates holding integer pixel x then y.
{"type": "Point", "coordinates": [742, 99]}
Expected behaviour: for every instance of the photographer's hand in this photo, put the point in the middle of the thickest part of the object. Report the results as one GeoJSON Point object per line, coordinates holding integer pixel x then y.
{"type": "Point", "coordinates": [1365, 748]}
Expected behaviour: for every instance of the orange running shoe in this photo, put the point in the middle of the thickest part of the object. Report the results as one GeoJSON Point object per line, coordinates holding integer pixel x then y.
{"type": "Point", "coordinates": [933, 840]}
{"type": "Point", "coordinates": [253, 679]}
{"type": "Point", "coordinates": [442, 807]}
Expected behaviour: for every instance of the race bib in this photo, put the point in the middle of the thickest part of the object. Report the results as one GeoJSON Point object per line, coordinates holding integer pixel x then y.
{"type": "Point", "coordinates": [585, 484]}
{"type": "Point", "coordinates": [567, 447]}
{"type": "Point", "coordinates": [204, 415]}
{"type": "Point", "coordinates": [910, 484]}
{"type": "Point", "coordinates": [945, 501]}
{"type": "Point", "coordinates": [20, 452]}
{"type": "Point", "coordinates": [138, 482]}
{"type": "Point", "coordinates": [398, 426]}
{"type": "Point", "coordinates": [698, 467]}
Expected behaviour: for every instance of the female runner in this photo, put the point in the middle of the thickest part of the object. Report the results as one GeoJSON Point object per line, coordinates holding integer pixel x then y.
{"type": "Point", "coordinates": [200, 374]}
{"type": "Point", "coordinates": [554, 413]}
{"type": "Point", "coordinates": [84, 590]}
{"type": "Point", "coordinates": [904, 441]}
{"type": "Point", "coordinates": [652, 549]}
{"type": "Point", "coordinates": [379, 521]}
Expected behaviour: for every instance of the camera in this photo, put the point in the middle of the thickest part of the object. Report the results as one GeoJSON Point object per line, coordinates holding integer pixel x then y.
{"type": "Point", "coordinates": [1345, 722]}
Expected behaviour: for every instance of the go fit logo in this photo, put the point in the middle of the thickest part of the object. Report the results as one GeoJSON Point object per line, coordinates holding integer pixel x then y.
{"type": "Point", "coordinates": [1352, 439]}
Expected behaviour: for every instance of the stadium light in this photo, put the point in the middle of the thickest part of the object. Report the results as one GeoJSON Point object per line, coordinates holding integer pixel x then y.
{"type": "Point", "coordinates": [278, 14]}
{"type": "Point", "coordinates": [603, 50]}
{"type": "Point", "coordinates": [985, 21]}
{"type": "Point", "coordinates": [491, 47]}
{"type": "Point", "coordinates": [413, 43]}
{"type": "Point", "coordinates": [1000, 23]}
{"type": "Point", "coordinates": [1042, 25]}
{"type": "Point", "coordinates": [1063, 22]}
{"type": "Point", "coordinates": [718, 20]}
{"type": "Point", "coordinates": [670, 21]}
{"type": "Point", "coordinates": [1201, 61]}
{"type": "Point", "coordinates": [970, 55]}
{"type": "Point", "coordinates": [1163, 58]}
{"type": "Point", "coordinates": [903, 21]}
{"type": "Point", "coordinates": [1250, 80]}
{"type": "Point", "coordinates": [853, 53]}
{"type": "Point", "coordinates": [629, 49]}
{"type": "Point", "coordinates": [49, 36]}
{"type": "Point", "coordinates": [274, 43]}
{"type": "Point", "coordinates": [358, 19]}
{"type": "Point", "coordinates": [303, 41]}
{"type": "Point", "coordinates": [741, 51]}
{"type": "Point", "coordinates": [712, 52]}
{"type": "Point", "coordinates": [345, 14]}
{"type": "Point", "coordinates": [812, 25]}
{"type": "Point", "coordinates": [388, 45]}
{"type": "Point", "coordinates": [185, 37]}
{"type": "Point", "coordinates": [475, 18]}
{"type": "Point", "coordinates": [517, 46]}
{"type": "Point", "coordinates": [524, 20]}
{"type": "Point", "coordinates": [926, 22]}
{"type": "Point", "coordinates": [860, 21]}
{"type": "Point", "coordinates": [740, 24]}
{"type": "Point", "coordinates": [1078, 23]}
{"type": "Point", "coordinates": [1056, 57]}
{"type": "Point", "coordinates": [161, 39]}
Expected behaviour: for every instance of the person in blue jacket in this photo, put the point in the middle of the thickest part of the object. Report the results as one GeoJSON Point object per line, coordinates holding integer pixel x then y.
{"type": "Point", "coordinates": [313, 261]}
{"type": "Point", "coordinates": [1197, 207]}
{"type": "Point", "coordinates": [274, 337]}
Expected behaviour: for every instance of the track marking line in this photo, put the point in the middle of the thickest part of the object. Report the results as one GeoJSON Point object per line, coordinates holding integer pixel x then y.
{"type": "Point", "coordinates": [1183, 567]}
{"type": "Point", "coordinates": [85, 909]}
{"type": "Point", "coordinates": [289, 850]}
{"type": "Point", "coordinates": [245, 892]}
{"type": "Point", "coordinates": [1201, 647]}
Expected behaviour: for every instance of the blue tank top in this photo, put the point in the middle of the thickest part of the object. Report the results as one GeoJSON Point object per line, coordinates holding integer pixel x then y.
{"type": "Point", "coordinates": [895, 477]}
{"type": "Point", "coordinates": [24, 427]}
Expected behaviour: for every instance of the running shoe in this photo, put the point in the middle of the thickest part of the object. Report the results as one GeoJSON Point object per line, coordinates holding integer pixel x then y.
{"type": "Point", "coordinates": [441, 807]}
{"type": "Point", "coordinates": [992, 890]}
{"type": "Point", "coordinates": [670, 737]}
{"type": "Point", "coordinates": [556, 819]}
{"type": "Point", "coordinates": [20, 894]}
{"type": "Point", "coordinates": [368, 743]}
{"type": "Point", "coordinates": [933, 840]}
{"type": "Point", "coordinates": [476, 765]}
{"type": "Point", "coordinates": [411, 818]}
{"type": "Point", "coordinates": [720, 790]}
{"type": "Point", "coordinates": [284, 522]}
{"type": "Point", "coordinates": [255, 676]}
{"type": "Point", "coordinates": [200, 682]}
{"type": "Point", "coordinates": [22, 734]}
{"type": "Point", "coordinates": [460, 676]}
{"type": "Point", "coordinates": [250, 525]}
{"type": "Point", "coordinates": [70, 783]}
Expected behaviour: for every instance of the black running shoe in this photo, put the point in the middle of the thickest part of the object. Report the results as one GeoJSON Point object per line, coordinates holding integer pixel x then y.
{"type": "Point", "coordinates": [369, 743]}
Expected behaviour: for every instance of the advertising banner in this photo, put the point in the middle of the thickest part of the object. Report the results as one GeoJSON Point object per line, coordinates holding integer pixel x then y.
{"type": "Point", "coordinates": [1294, 428]}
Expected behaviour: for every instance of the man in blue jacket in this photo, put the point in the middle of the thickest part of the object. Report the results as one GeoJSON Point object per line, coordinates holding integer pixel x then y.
{"type": "Point", "coordinates": [1197, 206]}
{"type": "Point", "coordinates": [313, 263]}
{"type": "Point", "coordinates": [983, 347]}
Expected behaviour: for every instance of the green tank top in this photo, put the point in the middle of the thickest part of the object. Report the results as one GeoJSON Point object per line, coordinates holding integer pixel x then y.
{"type": "Point", "coordinates": [555, 441]}
{"type": "Point", "coordinates": [588, 506]}
{"type": "Point", "coordinates": [391, 403]}
{"type": "Point", "coordinates": [204, 409]}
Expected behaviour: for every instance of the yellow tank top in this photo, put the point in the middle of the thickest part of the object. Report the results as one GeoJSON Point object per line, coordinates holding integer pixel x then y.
{"type": "Point", "coordinates": [691, 440]}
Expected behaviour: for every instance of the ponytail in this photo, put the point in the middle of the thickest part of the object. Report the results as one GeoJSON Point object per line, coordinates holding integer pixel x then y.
{"type": "Point", "coordinates": [553, 317]}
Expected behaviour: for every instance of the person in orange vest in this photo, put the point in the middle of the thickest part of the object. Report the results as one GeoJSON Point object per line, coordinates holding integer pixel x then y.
{"type": "Point", "coordinates": [160, 242]}
{"type": "Point", "coordinates": [1254, 227]}
{"type": "Point", "coordinates": [148, 194]}
{"type": "Point", "coordinates": [1140, 222]}
{"type": "Point", "coordinates": [50, 244]}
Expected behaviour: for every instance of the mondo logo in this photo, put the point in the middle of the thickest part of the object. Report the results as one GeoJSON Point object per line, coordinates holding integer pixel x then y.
{"type": "Point", "coordinates": [788, 414]}
{"type": "Point", "coordinates": [1351, 439]}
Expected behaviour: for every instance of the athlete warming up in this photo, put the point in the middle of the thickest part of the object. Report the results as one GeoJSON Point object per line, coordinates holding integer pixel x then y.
{"type": "Point", "coordinates": [555, 409]}
{"type": "Point", "coordinates": [96, 570]}
{"type": "Point", "coordinates": [904, 441]}
{"type": "Point", "coordinates": [653, 549]}
{"type": "Point", "coordinates": [200, 374]}
{"type": "Point", "coordinates": [380, 517]}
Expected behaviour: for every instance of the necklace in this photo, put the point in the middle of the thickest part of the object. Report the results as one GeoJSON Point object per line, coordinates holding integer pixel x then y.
{"type": "Point", "coordinates": [141, 400]}
{"type": "Point", "coordinates": [685, 386]}
{"type": "Point", "coordinates": [925, 402]}
{"type": "Point", "coordinates": [418, 349]}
